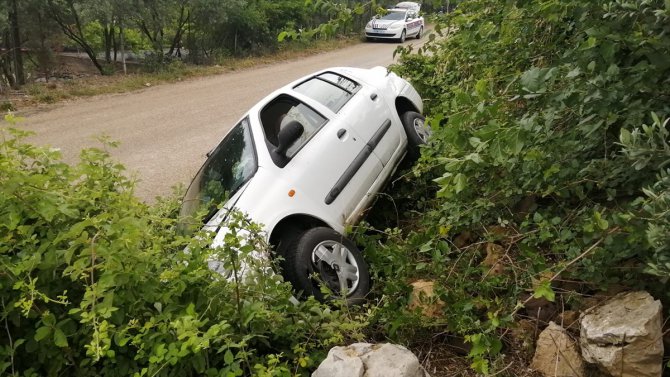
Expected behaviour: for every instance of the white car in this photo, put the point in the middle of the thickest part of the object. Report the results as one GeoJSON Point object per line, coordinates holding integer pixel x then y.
{"type": "Point", "coordinates": [307, 161]}
{"type": "Point", "coordinates": [398, 24]}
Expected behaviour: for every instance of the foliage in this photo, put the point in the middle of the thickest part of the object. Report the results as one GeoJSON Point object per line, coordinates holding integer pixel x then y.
{"type": "Point", "coordinates": [339, 16]}
{"type": "Point", "coordinates": [94, 282]}
{"type": "Point", "coordinates": [539, 151]}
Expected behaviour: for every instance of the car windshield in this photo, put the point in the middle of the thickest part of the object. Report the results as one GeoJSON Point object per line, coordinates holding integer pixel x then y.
{"type": "Point", "coordinates": [229, 166]}
{"type": "Point", "coordinates": [394, 16]}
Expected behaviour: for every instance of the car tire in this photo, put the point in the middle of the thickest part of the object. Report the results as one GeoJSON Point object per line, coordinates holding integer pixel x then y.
{"type": "Point", "coordinates": [322, 255]}
{"type": "Point", "coordinates": [417, 133]}
{"type": "Point", "coordinates": [420, 33]}
{"type": "Point", "coordinates": [402, 36]}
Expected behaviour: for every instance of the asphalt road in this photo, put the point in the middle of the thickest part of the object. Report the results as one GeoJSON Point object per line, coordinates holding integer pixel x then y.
{"type": "Point", "coordinates": [165, 131]}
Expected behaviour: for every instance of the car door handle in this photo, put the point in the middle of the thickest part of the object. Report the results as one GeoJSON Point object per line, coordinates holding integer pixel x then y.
{"type": "Point", "coordinates": [373, 96]}
{"type": "Point", "coordinates": [341, 133]}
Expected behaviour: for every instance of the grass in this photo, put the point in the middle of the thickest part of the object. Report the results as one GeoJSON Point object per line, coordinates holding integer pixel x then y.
{"type": "Point", "coordinates": [35, 94]}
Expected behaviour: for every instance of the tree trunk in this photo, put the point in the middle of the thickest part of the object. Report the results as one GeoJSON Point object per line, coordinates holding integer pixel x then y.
{"type": "Point", "coordinates": [16, 44]}
{"type": "Point", "coordinates": [107, 31]}
{"type": "Point", "coordinates": [123, 47]}
{"type": "Point", "coordinates": [176, 41]}
{"type": "Point", "coordinates": [6, 61]}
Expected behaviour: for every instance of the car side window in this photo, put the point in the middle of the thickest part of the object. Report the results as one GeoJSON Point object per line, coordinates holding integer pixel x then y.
{"type": "Point", "coordinates": [280, 112]}
{"type": "Point", "coordinates": [330, 89]}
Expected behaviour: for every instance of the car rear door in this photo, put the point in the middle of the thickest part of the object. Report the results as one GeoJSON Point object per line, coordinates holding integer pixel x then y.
{"type": "Point", "coordinates": [359, 105]}
{"type": "Point", "coordinates": [369, 114]}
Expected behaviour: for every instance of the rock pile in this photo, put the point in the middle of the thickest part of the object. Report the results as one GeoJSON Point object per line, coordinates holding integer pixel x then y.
{"type": "Point", "coordinates": [621, 338]}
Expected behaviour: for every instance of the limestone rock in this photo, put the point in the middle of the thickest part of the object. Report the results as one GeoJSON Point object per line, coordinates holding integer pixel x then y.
{"type": "Point", "coordinates": [423, 296]}
{"type": "Point", "coordinates": [557, 354]}
{"type": "Point", "coordinates": [623, 337]}
{"type": "Point", "coordinates": [370, 360]}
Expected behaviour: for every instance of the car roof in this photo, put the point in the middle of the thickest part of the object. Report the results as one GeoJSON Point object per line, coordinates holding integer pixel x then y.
{"type": "Point", "coordinates": [408, 5]}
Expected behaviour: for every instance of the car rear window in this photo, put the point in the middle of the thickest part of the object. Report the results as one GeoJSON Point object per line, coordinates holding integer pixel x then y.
{"type": "Point", "coordinates": [330, 89]}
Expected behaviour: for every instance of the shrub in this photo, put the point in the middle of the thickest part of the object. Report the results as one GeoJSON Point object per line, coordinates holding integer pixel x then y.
{"type": "Point", "coordinates": [94, 282]}
{"type": "Point", "coordinates": [534, 107]}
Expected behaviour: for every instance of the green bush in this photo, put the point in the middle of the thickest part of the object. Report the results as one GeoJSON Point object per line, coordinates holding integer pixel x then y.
{"type": "Point", "coordinates": [534, 107]}
{"type": "Point", "coordinates": [94, 282]}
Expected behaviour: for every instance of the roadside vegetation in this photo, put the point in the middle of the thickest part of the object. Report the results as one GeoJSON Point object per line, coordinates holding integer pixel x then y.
{"type": "Point", "coordinates": [547, 179]}
{"type": "Point", "coordinates": [39, 93]}
{"type": "Point", "coordinates": [57, 49]}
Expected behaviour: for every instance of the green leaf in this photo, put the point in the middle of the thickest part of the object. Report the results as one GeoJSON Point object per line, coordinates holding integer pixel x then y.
{"type": "Point", "coordinates": [42, 333]}
{"type": "Point", "coordinates": [534, 80]}
{"type": "Point", "coordinates": [573, 73]}
{"type": "Point", "coordinates": [591, 66]}
{"type": "Point", "coordinates": [228, 357]}
{"type": "Point", "coordinates": [655, 118]}
{"type": "Point", "coordinates": [18, 342]}
{"type": "Point", "coordinates": [59, 338]}
{"type": "Point", "coordinates": [460, 182]}
{"type": "Point", "coordinates": [600, 222]}
{"type": "Point", "coordinates": [544, 290]}
{"type": "Point", "coordinates": [480, 365]}
{"type": "Point", "coordinates": [624, 136]}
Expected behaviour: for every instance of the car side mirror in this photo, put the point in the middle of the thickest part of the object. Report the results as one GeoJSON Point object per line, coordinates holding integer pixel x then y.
{"type": "Point", "coordinates": [288, 135]}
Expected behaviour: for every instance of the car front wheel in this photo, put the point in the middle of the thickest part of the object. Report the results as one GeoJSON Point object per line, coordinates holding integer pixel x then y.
{"type": "Point", "coordinates": [417, 133]}
{"type": "Point", "coordinates": [322, 256]}
{"type": "Point", "coordinates": [402, 36]}
{"type": "Point", "coordinates": [420, 33]}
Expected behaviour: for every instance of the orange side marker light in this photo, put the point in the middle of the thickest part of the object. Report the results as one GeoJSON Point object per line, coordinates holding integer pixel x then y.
{"type": "Point", "coordinates": [291, 193]}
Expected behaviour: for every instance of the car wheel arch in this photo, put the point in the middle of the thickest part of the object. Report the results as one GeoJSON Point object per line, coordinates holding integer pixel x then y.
{"type": "Point", "coordinates": [403, 105]}
{"type": "Point", "coordinates": [294, 224]}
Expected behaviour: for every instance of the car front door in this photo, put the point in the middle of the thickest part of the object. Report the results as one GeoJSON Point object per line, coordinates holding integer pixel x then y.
{"type": "Point", "coordinates": [330, 163]}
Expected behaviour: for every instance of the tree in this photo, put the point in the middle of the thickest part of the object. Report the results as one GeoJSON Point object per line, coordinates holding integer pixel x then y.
{"type": "Point", "coordinates": [68, 16]}
{"type": "Point", "coordinates": [161, 20]}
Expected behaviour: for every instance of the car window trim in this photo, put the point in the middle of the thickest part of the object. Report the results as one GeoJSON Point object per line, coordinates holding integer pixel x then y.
{"type": "Point", "coordinates": [335, 84]}
{"type": "Point", "coordinates": [351, 93]}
